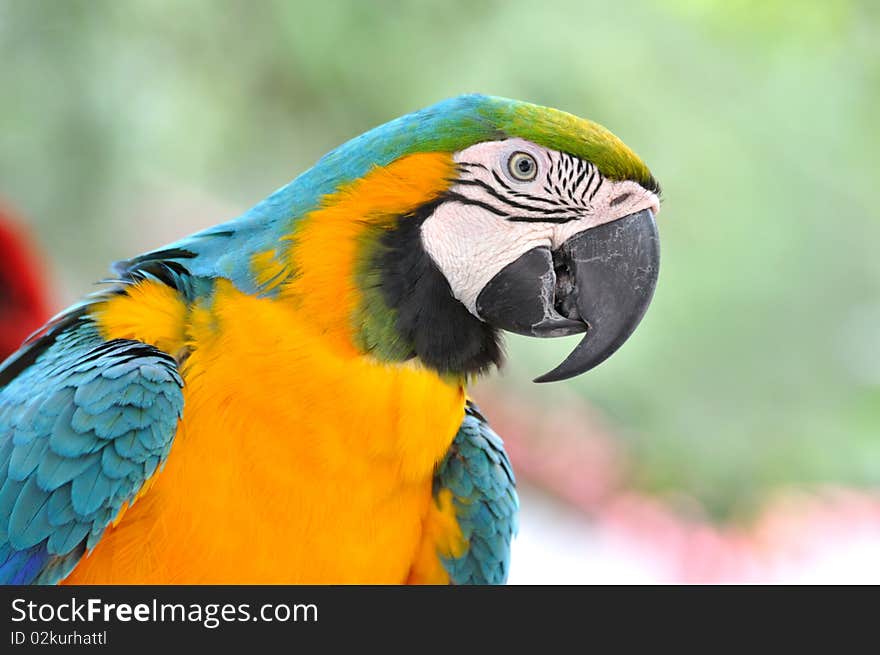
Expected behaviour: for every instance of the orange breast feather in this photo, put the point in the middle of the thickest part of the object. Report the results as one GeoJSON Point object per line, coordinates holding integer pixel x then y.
{"type": "Point", "coordinates": [298, 459]}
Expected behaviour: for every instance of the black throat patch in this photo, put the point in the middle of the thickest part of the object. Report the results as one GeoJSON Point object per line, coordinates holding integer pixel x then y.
{"type": "Point", "coordinates": [430, 323]}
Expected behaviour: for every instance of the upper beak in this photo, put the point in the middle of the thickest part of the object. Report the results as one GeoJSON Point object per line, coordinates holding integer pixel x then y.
{"type": "Point", "coordinates": [600, 281]}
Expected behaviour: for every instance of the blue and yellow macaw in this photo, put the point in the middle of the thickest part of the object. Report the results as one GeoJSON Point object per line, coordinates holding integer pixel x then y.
{"type": "Point", "coordinates": [282, 398]}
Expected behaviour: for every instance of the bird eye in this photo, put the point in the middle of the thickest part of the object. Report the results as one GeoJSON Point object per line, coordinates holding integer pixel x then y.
{"type": "Point", "coordinates": [522, 166]}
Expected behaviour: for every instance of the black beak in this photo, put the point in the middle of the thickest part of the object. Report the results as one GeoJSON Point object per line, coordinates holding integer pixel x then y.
{"type": "Point", "coordinates": [600, 281]}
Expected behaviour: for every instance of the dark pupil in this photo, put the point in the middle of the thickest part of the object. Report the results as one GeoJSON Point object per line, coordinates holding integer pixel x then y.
{"type": "Point", "coordinates": [524, 166]}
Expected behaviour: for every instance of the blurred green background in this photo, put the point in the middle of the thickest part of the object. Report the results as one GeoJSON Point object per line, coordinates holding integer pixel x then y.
{"type": "Point", "coordinates": [124, 125]}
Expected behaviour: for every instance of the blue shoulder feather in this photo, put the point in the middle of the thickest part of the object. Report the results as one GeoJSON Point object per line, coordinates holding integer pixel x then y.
{"type": "Point", "coordinates": [83, 424]}
{"type": "Point", "coordinates": [478, 473]}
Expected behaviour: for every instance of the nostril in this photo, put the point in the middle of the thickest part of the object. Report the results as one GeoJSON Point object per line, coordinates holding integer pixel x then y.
{"type": "Point", "coordinates": [619, 199]}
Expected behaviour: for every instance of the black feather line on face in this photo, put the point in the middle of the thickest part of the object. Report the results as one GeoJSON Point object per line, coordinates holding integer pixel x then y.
{"type": "Point", "coordinates": [512, 200]}
{"type": "Point", "coordinates": [504, 199]}
{"type": "Point", "coordinates": [548, 216]}
{"type": "Point", "coordinates": [444, 335]}
{"type": "Point", "coordinates": [580, 178]}
{"type": "Point", "coordinates": [517, 194]}
{"type": "Point", "coordinates": [598, 186]}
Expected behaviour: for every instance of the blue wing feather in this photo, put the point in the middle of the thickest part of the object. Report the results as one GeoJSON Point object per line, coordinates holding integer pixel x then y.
{"type": "Point", "coordinates": [477, 472]}
{"type": "Point", "coordinates": [82, 426]}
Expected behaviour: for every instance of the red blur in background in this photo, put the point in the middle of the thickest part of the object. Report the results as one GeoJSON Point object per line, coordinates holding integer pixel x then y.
{"type": "Point", "coordinates": [24, 306]}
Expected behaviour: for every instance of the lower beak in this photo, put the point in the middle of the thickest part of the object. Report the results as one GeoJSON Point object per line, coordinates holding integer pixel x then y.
{"type": "Point", "coordinates": [600, 281]}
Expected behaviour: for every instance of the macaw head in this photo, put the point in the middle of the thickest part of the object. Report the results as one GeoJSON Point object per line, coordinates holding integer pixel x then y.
{"type": "Point", "coordinates": [424, 238]}
{"type": "Point", "coordinates": [483, 214]}
{"type": "Point", "coordinates": [549, 231]}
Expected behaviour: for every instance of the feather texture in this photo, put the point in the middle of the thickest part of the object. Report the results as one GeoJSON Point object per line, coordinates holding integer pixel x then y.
{"type": "Point", "coordinates": [477, 472]}
{"type": "Point", "coordinates": [81, 430]}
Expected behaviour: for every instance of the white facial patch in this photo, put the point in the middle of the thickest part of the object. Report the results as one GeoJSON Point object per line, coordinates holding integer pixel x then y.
{"type": "Point", "coordinates": [494, 215]}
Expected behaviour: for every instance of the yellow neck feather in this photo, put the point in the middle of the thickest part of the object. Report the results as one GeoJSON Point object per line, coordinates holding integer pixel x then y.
{"type": "Point", "coordinates": [322, 252]}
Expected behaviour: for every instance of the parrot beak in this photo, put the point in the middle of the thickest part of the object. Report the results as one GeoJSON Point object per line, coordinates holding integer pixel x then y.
{"type": "Point", "coordinates": [600, 281]}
